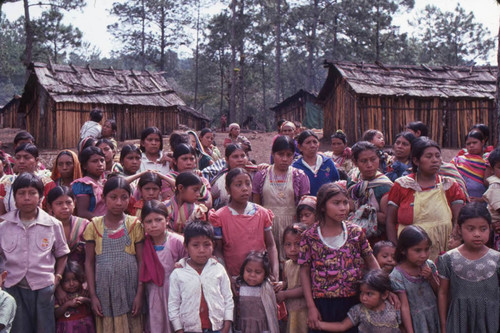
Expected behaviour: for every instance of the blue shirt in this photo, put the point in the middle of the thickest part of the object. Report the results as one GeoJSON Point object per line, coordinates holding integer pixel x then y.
{"type": "Point", "coordinates": [327, 173]}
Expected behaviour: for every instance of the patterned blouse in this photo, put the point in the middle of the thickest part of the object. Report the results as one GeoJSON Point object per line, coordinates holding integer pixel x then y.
{"type": "Point", "coordinates": [334, 273]}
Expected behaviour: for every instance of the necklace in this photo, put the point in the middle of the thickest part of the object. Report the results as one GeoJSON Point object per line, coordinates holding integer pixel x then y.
{"type": "Point", "coordinates": [279, 186]}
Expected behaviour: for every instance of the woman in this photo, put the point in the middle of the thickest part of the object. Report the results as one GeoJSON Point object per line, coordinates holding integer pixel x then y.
{"type": "Point", "coordinates": [369, 192]}
{"type": "Point", "coordinates": [108, 131]}
{"type": "Point", "coordinates": [341, 154]}
{"type": "Point", "coordinates": [287, 128]}
{"type": "Point", "coordinates": [400, 163]}
{"type": "Point", "coordinates": [235, 158]}
{"type": "Point", "coordinates": [207, 142]}
{"type": "Point", "coordinates": [204, 160]}
{"type": "Point", "coordinates": [234, 137]}
{"type": "Point", "coordinates": [472, 166]}
{"type": "Point", "coordinates": [66, 168]}
{"type": "Point", "coordinates": [425, 198]}
{"type": "Point", "coordinates": [318, 168]}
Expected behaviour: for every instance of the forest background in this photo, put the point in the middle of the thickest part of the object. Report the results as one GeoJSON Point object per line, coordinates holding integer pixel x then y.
{"type": "Point", "coordinates": [241, 57]}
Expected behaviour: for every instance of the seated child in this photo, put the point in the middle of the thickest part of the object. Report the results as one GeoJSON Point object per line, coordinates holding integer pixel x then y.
{"type": "Point", "coordinates": [7, 306]}
{"type": "Point", "coordinates": [201, 286]}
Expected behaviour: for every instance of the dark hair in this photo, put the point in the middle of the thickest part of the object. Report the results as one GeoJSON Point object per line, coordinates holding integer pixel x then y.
{"type": "Point", "coordinates": [27, 179]}
{"type": "Point", "coordinates": [418, 147]}
{"type": "Point", "coordinates": [23, 135]}
{"type": "Point", "coordinates": [300, 208]}
{"type": "Point", "coordinates": [283, 142]}
{"type": "Point", "coordinates": [205, 131]}
{"type": "Point", "coordinates": [106, 141]}
{"type": "Point", "coordinates": [380, 245]}
{"type": "Point", "coordinates": [183, 149]}
{"type": "Point", "coordinates": [187, 178]}
{"type": "Point", "coordinates": [233, 173]}
{"type": "Point", "coordinates": [362, 146]}
{"type": "Point", "coordinates": [75, 268]}
{"type": "Point", "coordinates": [408, 136]}
{"type": "Point", "coordinates": [112, 122]}
{"type": "Point", "coordinates": [96, 115]}
{"type": "Point", "coordinates": [178, 138]}
{"type": "Point", "coordinates": [149, 177]}
{"type": "Point", "coordinates": [418, 126]}
{"type": "Point", "coordinates": [494, 157]}
{"type": "Point", "coordinates": [153, 206]}
{"type": "Point", "coordinates": [339, 134]}
{"type": "Point", "coordinates": [129, 149]}
{"type": "Point", "coordinates": [231, 148]}
{"type": "Point", "coordinates": [304, 135]}
{"type": "Point", "coordinates": [370, 134]}
{"type": "Point", "coordinates": [57, 192]}
{"type": "Point", "coordinates": [280, 122]}
{"type": "Point", "coordinates": [325, 192]}
{"type": "Point", "coordinates": [410, 236]}
{"type": "Point", "coordinates": [483, 129]}
{"type": "Point", "coordinates": [256, 256]}
{"type": "Point", "coordinates": [86, 154]}
{"type": "Point", "coordinates": [295, 229]}
{"type": "Point", "coordinates": [117, 182]}
{"type": "Point", "coordinates": [473, 210]}
{"type": "Point", "coordinates": [198, 228]}
{"type": "Point", "coordinates": [476, 134]}
{"type": "Point", "coordinates": [377, 280]}
{"type": "Point", "coordinates": [29, 148]}
{"type": "Point", "coordinates": [149, 131]}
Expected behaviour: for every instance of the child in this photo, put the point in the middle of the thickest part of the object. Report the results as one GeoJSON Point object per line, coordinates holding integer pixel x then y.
{"type": "Point", "coordinates": [306, 210]}
{"type": "Point", "coordinates": [201, 286]}
{"type": "Point", "coordinates": [293, 295]}
{"type": "Point", "coordinates": [92, 128]}
{"type": "Point", "coordinates": [242, 219]}
{"type": "Point", "coordinates": [130, 161]}
{"type": "Point", "coordinates": [108, 131]}
{"type": "Point", "coordinates": [162, 249]}
{"type": "Point", "coordinates": [88, 190]}
{"type": "Point", "coordinates": [341, 154]}
{"type": "Point", "coordinates": [376, 138]}
{"type": "Point", "coordinates": [149, 187]}
{"type": "Point", "coordinates": [492, 197]}
{"type": "Point", "coordinates": [469, 290]}
{"type": "Point", "coordinates": [182, 208]}
{"type": "Point", "coordinates": [113, 252]}
{"type": "Point", "coordinates": [7, 306]}
{"type": "Point", "coordinates": [152, 151]}
{"type": "Point", "coordinates": [375, 313]}
{"type": "Point", "coordinates": [415, 281]}
{"type": "Point", "coordinates": [109, 151]}
{"type": "Point", "coordinates": [384, 252]}
{"type": "Point", "coordinates": [75, 314]}
{"type": "Point", "coordinates": [66, 168]}
{"type": "Point", "coordinates": [35, 252]}
{"type": "Point", "coordinates": [332, 253]}
{"type": "Point", "coordinates": [257, 311]}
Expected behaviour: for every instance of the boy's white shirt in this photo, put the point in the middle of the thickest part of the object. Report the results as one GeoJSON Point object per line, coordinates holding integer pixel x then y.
{"type": "Point", "coordinates": [185, 296]}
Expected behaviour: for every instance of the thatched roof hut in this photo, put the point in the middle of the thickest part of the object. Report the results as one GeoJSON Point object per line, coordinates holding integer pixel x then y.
{"type": "Point", "coordinates": [302, 107]}
{"type": "Point", "coordinates": [357, 97]}
{"type": "Point", "coordinates": [57, 100]}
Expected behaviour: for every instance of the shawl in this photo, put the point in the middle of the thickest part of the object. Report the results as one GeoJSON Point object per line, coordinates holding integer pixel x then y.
{"type": "Point", "coordinates": [471, 166]}
{"type": "Point", "coordinates": [178, 216]}
{"type": "Point", "coordinates": [77, 170]}
{"type": "Point", "coordinates": [151, 268]}
{"type": "Point", "coordinates": [97, 187]}
{"type": "Point", "coordinates": [203, 158]}
{"type": "Point", "coordinates": [78, 225]}
{"type": "Point", "coordinates": [360, 191]}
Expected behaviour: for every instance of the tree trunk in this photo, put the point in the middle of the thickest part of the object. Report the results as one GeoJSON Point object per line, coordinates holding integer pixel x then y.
{"type": "Point", "coordinates": [311, 46]}
{"type": "Point", "coordinates": [277, 73]}
{"type": "Point", "coordinates": [143, 37]}
{"type": "Point", "coordinates": [241, 77]}
{"type": "Point", "coordinates": [162, 42]}
{"type": "Point", "coordinates": [232, 69]}
{"type": "Point", "coordinates": [29, 37]}
{"type": "Point", "coordinates": [498, 91]}
{"type": "Point", "coordinates": [196, 56]}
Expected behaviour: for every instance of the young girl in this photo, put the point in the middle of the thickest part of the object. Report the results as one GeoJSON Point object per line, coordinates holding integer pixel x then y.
{"type": "Point", "coordinates": [113, 252]}
{"type": "Point", "coordinates": [61, 205]}
{"type": "Point", "coordinates": [88, 190]}
{"type": "Point", "coordinates": [66, 168]}
{"type": "Point", "coordinates": [332, 253]}
{"type": "Point", "coordinates": [109, 151]}
{"type": "Point", "coordinates": [207, 141]}
{"type": "Point", "coordinates": [469, 290]}
{"type": "Point", "coordinates": [375, 313]}
{"type": "Point", "coordinates": [35, 252]}
{"type": "Point", "coordinates": [293, 295]}
{"type": "Point", "coordinates": [376, 138]}
{"type": "Point", "coordinates": [162, 249]}
{"type": "Point", "coordinates": [256, 301]}
{"type": "Point", "coordinates": [306, 210]}
{"type": "Point", "coordinates": [75, 314]}
{"type": "Point", "coordinates": [204, 160]}
{"type": "Point", "coordinates": [242, 219]}
{"type": "Point", "coordinates": [341, 154]}
{"type": "Point", "coordinates": [183, 207]}
{"type": "Point", "coordinates": [108, 131]}
{"type": "Point", "coordinates": [415, 281]}
{"type": "Point", "coordinates": [385, 253]}
{"type": "Point", "coordinates": [130, 161]}
{"type": "Point", "coordinates": [400, 163]}
{"type": "Point", "coordinates": [280, 187]}
{"type": "Point", "coordinates": [152, 151]}
{"type": "Point", "coordinates": [149, 187]}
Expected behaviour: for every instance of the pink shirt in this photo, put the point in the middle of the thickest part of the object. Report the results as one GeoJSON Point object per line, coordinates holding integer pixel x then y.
{"type": "Point", "coordinates": [31, 252]}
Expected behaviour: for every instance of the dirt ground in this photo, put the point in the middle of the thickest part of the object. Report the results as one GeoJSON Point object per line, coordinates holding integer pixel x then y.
{"type": "Point", "coordinates": [261, 145]}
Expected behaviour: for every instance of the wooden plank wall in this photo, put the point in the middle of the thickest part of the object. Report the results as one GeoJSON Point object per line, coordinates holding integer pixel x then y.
{"type": "Point", "coordinates": [294, 111]}
{"type": "Point", "coordinates": [448, 119]}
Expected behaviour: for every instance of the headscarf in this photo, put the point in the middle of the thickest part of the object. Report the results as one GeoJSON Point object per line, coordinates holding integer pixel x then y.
{"type": "Point", "coordinates": [309, 201]}
{"type": "Point", "coordinates": [77, 170]}
{"type": "Point", "coordinates": [233, 125]}
{"type": "Point", "coordinates": [288, 124]}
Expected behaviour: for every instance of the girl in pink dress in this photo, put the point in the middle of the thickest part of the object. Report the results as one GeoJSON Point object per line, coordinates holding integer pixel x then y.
{"type": "Point", "coordinates": [162, 249]}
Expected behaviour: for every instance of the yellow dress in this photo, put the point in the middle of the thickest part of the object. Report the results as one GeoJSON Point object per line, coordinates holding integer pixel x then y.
{"type": "Point", "coordinates": [296, 307]}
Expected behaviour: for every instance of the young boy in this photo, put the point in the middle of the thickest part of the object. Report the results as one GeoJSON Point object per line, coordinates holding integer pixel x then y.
{"type": "Point", "coordinates": [35, 251]}
{"type": "Point", "coordinates": [492, 196]}
{"type": "Point", "coordinates": [7, 306]}
{"type": "Point", "coordinates": [200, 297]}
{"type": "Point", "coordinates": [92, 128]}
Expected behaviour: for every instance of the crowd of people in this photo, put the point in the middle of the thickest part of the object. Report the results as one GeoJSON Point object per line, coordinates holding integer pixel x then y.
{"type": "Point", "coordinates": [190, 239]}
